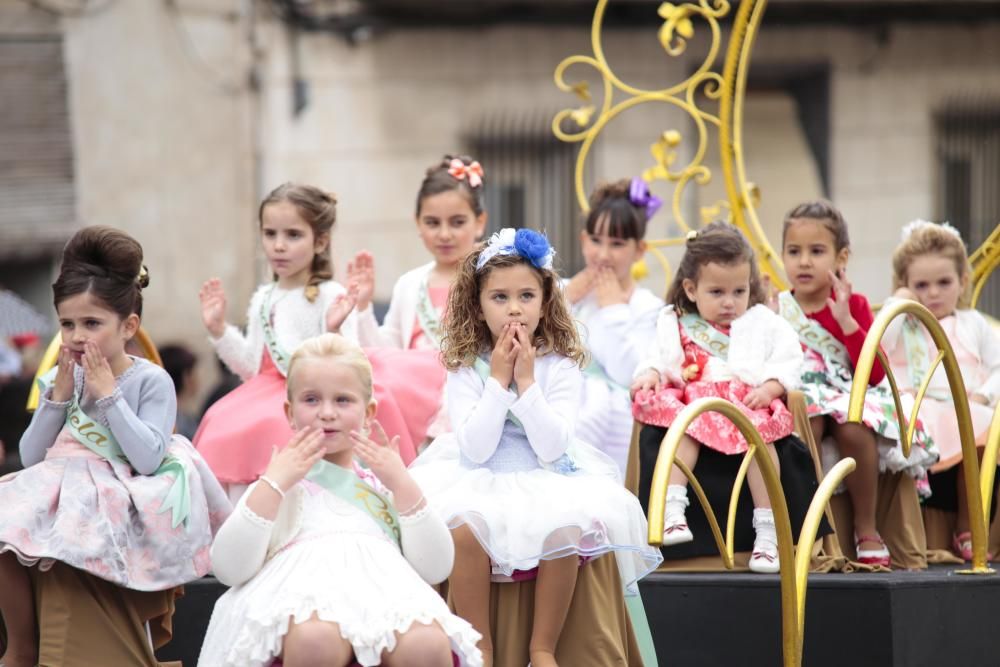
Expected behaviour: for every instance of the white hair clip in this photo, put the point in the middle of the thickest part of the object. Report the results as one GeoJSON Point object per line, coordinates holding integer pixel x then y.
{"type": "Point", "coordinates": [526, 243]}
{"type": "Point", "coordinates": [911, 227]}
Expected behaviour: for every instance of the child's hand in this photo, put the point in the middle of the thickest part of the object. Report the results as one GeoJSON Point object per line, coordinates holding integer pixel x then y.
{"type": "Point", "coordinates": [762, 396]}
{"type": "Point", "coordinates": [524, 361]}
{"type": "Point", "coordinates": [504, 354]}
{"type": "Point", "coordinates": [341, 308]}
{"type": "Point", "coordinates": [609, 291]}
{"type": "Point", "coordinates": [840, 305]}
{"type": "Point", "coordinates": [213, 307]}
{"type": "Point", "coordinates": [979, 398]}
{"type": "Point", "coordinates": [381, 455]}
{"type": "Point", "coordinates": [62, 387]}
{"type": "Point", "coordinates": [361, 272]}
{"type": "Point", "coordinates": [97, 375]}
{"type": "Point", "coordinates": [580, 285]}
{"type": "Point", "coordinates": [289, 466]}
{"type": "Point", "coordinates": [770, 293]}
{"type": "Point", "coordinates": [905, 293]}
{"type": "Point", "coordinates": [650, 379]}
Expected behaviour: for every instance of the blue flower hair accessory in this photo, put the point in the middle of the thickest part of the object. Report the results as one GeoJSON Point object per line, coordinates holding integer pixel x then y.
{"type": "Point", "coordinates": [526, 243]}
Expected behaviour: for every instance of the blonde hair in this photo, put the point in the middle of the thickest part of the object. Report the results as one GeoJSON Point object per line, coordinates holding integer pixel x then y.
{"type": "Point", "coordinates": [928, 238]}
{"type": "Point", "coordinates": [466, 334]}
{"type": "Point", "coordinates": [335, 347]}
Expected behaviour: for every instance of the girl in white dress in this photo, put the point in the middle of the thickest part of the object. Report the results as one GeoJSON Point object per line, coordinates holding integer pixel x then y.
{"type": "Point", "coordinates": [518, 490]}
{"type": "Point", "coordinates": [323, 569]}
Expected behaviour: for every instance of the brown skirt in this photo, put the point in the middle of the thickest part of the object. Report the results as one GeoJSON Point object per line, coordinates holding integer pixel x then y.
{"type": "Point", "coordinates": [597, 633]}
{"type": "Point", "coordinates": [85, 621]}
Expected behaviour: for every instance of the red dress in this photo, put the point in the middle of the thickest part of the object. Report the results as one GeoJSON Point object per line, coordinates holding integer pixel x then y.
{"type": "Point", "coordinates": [712, 429]}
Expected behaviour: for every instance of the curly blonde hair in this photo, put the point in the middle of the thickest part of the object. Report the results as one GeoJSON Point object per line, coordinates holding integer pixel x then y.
{"type": "Point", "coordinates": [932, 239]}
{"type": "Point", "coordinates": [466, 334]}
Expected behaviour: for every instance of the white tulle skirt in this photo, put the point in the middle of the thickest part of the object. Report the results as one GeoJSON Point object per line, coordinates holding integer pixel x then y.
{"type": "Point", "coordinates": [523, 517]}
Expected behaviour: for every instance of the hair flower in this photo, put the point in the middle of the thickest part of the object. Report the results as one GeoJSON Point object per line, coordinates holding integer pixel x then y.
{"type": "Point", "coordinates": [473, 171]}
{"type": "Point", "coordinates": [917, 224]}
{"type": "Point", "coordinates": [526, 243]}
{"type": "Point", "coordinates": [639, 195]}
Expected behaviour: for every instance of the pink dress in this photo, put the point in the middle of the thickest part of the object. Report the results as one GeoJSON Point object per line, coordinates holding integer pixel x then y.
{"type": "Point", "coordinates": [711, 429]}
{"type": "Point", "coordinates": [937, 411]}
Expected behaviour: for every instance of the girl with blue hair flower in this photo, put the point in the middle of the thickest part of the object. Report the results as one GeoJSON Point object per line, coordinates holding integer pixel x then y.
{"type": "Point", "coordinates": [519, 492]}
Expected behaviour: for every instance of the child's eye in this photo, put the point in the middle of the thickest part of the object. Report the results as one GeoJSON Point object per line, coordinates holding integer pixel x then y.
{"type": "Point", "coordinates": [741, 291]}
{"type": "Point", "coordinates": [596, 240]}
{"type": "Point", "coordinates": [715, 292]}
{"type": "Point", "coordinates": [499, 297]}
{"type": "Point", "coordinates": [457, 222]}
{"type": "Point", "coordinates": [66, 325]}
{"type": "Point", "coordinates": [92, 324]}
{"type": "Point", "coordinates": [269, 233]}
{"type": "Point", "coordinates": [294, 234]}
{"type": "Point", "coordinates": [919, 285]}
{"type": "Point", "coordinates": [343, 400]}
{"type": "Point", "coordinates": [527, 296]}
{"type": "Point", "coordinates": [618, 244]}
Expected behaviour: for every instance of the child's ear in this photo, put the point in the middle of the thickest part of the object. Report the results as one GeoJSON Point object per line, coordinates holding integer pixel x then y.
{"type": "Point", "coordinates": [370, 410]}
{"type": "Point", "coordinates": [640, 249]}
{"type": "Point", "coordinates": [288, 414]}
{"type": "Point", "coordinates": [130, 326]}
{"type": "Point", "coordinates": [842, 255]}
{"type": "Point", "coordinates": [689, 286]}
{"type": "Point", "coordinates": [322, 241]}
{"type": "Point", "coordinates": [481, 220]}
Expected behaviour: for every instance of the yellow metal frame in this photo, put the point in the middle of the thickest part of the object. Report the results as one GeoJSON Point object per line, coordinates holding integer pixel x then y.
{"type": "Point", "coordinates": [979, 498]}
{"type": "Point", "coordinates": [793, 559]}
{"type": "Point", "coordinates": [984, 261]}
{"type": "Point", "coordinates": [51, 357]}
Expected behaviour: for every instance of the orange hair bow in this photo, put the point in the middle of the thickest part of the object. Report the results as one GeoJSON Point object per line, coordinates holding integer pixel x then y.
{"type": "Point", "coordinates": [472, 171]}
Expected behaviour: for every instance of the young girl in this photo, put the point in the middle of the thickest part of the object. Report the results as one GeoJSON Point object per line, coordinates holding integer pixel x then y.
{"type": "Point", "coordinates": [324, 569]}
{"type": "Point", "coordinates": [715, 338]}
{"type": "Point", "coordinates": [107, 494]}
{"type": "Point", "coordinates": [236, 434]}
{"type": "Point", "coordinates": [930, 266]}
{"type": "Point", "coordinates": [516, 488]}
{"type": "Point", "coordinates": [832, 322]}
{"type": "Point", "coordinates": [618, 317]}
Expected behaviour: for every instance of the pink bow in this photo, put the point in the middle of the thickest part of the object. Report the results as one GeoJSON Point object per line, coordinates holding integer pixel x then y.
{"type": "Point", "coordinates": [460, 170]}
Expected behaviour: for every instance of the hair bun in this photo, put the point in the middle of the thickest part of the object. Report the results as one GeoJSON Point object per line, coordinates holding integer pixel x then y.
{"type": "Point", "coordinates": [609, 190]}
{"type": "Point", "coordinates": [104, 252]}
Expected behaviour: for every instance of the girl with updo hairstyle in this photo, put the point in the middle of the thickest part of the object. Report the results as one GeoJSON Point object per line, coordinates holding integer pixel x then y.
{"type": "Point", "coordinates": [112, 512]}
{"type": "Point", "coordinates": [302, 301]}
{"type": "Point", "coordinates": [616, 315]}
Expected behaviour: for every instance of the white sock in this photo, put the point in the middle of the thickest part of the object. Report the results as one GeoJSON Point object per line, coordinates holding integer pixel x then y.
{"type": "Point", "coordinates": [677, 502]}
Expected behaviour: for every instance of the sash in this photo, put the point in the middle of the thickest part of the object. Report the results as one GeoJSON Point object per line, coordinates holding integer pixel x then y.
{"type": "Point", "coordinates": [427, 315]}
{"type": "Point", "coordinates": [705, 335]}
{"type": "Point", "coordinates": [812, 335]}
{"type": "Point", "coordinates": [595, 370]}
{"type": "Point", "coordinates": [564, 465]}
{"type": "Point", "coordinates": [346, 485]}
{"type": "Point", "coordinates": [278, 354]}
{"type": "Point", "coordinates": [918, 355]}
{"type": "Point", "coordinates": [99, 439]}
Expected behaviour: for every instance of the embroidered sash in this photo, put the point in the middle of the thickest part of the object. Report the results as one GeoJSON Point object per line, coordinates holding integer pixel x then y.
{"type": "Point", "coordinates": [918, 355]}
{"type": "Point", "coordinates": [346, 485]}
{"type": "Point", "coordinates": [99, 439]}
{"type": "Point", "coordinates": [427, 315]}
{"type": "Point", "coordinates": [812, 335]}
{"type": "Point", "coordinates": [705, 335]}
{"type": "Point", "coordinates": [278, 354]}
{"type": "Point", "coordinates": [564, 465]}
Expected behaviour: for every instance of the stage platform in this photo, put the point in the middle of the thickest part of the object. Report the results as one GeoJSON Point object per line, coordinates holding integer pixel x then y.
{"type": "Point", "coordinates": [934, 618]}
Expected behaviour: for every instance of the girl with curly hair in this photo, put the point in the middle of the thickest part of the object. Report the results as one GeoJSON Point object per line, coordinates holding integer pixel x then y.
{"type": "Point", "coordinates": [518, 490]}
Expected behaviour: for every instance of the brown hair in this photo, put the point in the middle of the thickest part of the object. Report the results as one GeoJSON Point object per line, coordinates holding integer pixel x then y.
{"type": "Point", "coordinates": [438, 180]}
{"type": "Point", "coordinates": [611, 202]}
{"type": "Point", "coordinates": [319, 210]}
{"type": "Point", "coordinates": [107, 263]}
{"type": "Point", "coordinates": [824, 213]}
{"type": "Point", "coordinates": [466, 334]}
{"type": "Point", "coordinates": [928, 238]}
{"type": "Point", "coordinates": [719, 243]}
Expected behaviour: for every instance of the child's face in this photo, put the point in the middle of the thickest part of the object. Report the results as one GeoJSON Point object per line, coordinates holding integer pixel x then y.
{"type": "Point", "coordinates": [600, 250]}
{"type": "Point", "coordinates": [722, 291]}
{"type": "Point", "coordinates": [289, 243]}
{"type": "Point", "coordinates": [327, 394]}
{"type": "Point", "coordinates": [935, 281]}
{"type": "Point", "coordinates": [810, 255]}
{"type": "Point", "coordinates": [448, 226]}
{"type": "Point", "coordinates": [83, 318]}
{"type": "Point", "coordinates": [511, 294]}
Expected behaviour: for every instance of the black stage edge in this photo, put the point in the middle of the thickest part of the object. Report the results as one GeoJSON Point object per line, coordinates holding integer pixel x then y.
{"type": "Point", "coordinates": [934, 618]}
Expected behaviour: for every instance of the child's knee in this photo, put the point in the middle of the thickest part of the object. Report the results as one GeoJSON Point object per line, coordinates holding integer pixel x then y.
{"type": "Point", "coordinates": [316, 643]}
{"type": "Point", "coordinates": [465, 539]}
{"type": "Point", "coordinates": [422, 646]}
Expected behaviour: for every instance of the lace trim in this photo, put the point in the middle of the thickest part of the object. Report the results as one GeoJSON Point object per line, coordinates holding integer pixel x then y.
{"type": "Point", "coordinates": [417, 516]}
{"type": "Point", "coordinates": [254, 518]}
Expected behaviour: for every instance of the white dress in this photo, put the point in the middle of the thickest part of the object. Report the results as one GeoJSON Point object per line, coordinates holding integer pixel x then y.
{"type": "Point", "coordinates": [528, 489]}
{"type": "Point", "coordinates": [338, 565]}
{"type": "Point", "coordinates": [617, 337]}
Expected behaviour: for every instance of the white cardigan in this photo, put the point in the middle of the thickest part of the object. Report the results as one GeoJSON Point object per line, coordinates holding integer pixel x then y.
{"type": "Point", "coordinates": [762, 347]}
{"type": "Point", "coordinates": [295, 320]}
{"type": "Point", "coordinates": [976, 334]}
{"type": "Point", "coordinates": [246, 541]}
{"type": "Point", "coordinates": [397, 329]}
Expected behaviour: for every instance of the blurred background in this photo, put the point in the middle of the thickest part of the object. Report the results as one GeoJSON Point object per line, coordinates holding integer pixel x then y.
{"type": "Point", "coordinates": [172, 118]}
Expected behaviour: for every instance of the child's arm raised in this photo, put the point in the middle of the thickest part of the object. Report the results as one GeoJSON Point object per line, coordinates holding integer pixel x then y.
{"type": "Point", "coordinates": [240, 547]}
{"type": "Point", "coordinates": [50, 416]}
{"type": "Point", "coordinates": [425, 540]}
{"type": "Point", "coordinates": [241, 354]}
{"type": "Point", "coordinates": [479, 410]}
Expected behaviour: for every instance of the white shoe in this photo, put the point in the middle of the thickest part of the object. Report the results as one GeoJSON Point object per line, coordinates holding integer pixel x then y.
{"type": "Point", "coordinates": [675, 528]}
{"type": "Point", "coordinates": [764, 558]}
